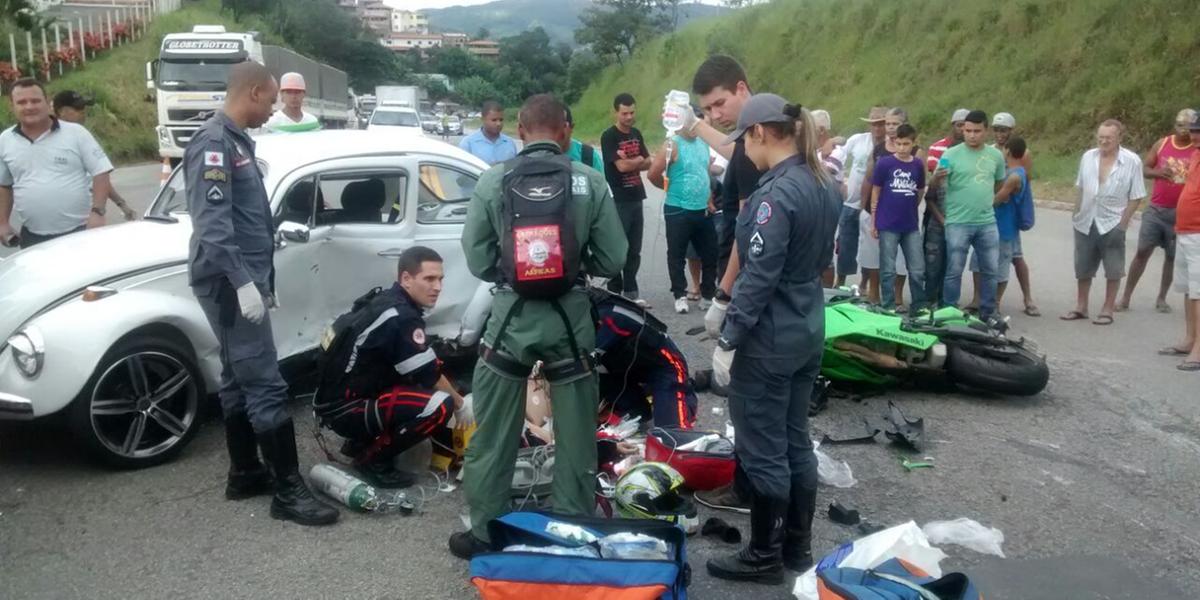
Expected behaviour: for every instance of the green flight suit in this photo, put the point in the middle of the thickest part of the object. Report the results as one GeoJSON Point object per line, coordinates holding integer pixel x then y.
{"type": "Point", "coordinates": [537, 332]}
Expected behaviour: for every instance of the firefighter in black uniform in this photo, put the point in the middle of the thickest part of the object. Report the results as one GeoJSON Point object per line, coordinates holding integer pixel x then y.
{"type": "Point", "coordinates": [776, 327]}
{"type": "Point", "coordinates": [384, 390]}
{"type": "Point", "coordinates": [231, 272]}
{"type": "Point", "coordinates": [637, 359]}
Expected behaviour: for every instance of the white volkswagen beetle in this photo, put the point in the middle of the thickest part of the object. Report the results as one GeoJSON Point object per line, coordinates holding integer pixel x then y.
{"type": "Point", "coordinates": [102, 323]}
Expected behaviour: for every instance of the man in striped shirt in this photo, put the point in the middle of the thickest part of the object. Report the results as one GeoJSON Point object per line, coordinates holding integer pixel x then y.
{"type": "Point", "coordinates": [1110, 189]}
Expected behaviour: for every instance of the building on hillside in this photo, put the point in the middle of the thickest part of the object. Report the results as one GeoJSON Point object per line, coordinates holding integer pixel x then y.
{"type": "Point", "coordinates": [455, 40]}
{"type": "Point", "coordinates": [485, 49]}
{"type": "Point", "coordinates": [375, 15]}
{"type": "Point", "coordinates": [409, 21]}
{"type": "Point", "coordinates": [408, 42]}
{"type": "Point", "coordinates": [348, 5]}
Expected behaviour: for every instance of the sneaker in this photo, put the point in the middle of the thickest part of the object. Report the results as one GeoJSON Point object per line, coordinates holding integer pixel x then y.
{"type": "Point", "coordinates": [681, 305]}
{"type": "Point", "coordinates": [724, 498]}
{"type": "Point", "coordinates": [705, 303]}
{"type": "Point", "coordinates": [642, 303]}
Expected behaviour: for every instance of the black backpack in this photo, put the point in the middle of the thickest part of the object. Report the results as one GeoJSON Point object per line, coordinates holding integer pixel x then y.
{"type": "Point", "coordinates": [539, 251]}
{"type": "Point", "coordinates": [338, 353]}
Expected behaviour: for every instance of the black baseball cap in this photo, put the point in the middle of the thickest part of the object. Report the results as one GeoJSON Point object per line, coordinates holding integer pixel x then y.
{"type": "Point", "coordinates": [72, 99]}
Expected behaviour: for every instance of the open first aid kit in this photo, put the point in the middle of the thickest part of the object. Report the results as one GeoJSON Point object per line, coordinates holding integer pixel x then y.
{"type": "Point", "coordinates": [543, 556]}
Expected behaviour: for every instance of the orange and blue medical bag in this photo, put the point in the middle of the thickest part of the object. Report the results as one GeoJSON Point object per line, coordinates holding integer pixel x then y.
{"type": "Point", "coordinates": [525, 575]}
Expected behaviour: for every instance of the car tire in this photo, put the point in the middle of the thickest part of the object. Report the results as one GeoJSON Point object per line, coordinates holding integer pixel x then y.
{"type": "Point", "coordinates": [1011, 370]}
{"type": "Point", "coordinates": [142, 405]}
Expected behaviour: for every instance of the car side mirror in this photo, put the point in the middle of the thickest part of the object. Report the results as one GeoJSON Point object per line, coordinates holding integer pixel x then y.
{"type": "Point", "coordinates": [293, 232]}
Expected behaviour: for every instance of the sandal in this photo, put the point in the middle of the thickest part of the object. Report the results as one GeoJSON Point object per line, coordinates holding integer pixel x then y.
{"type": "Point", "coordinates": [1074, 316]}
{"type": "Point", "coordinates": [1032, 311]}
{"type": "Point", "coordinates": [1189, 365]}
{"type": "Point", "coordinates": [1103, 320]}
{"type": "Point", "coordinates": [1172, 351]}
{"type": "Point", "coordinates": [1163, 308]}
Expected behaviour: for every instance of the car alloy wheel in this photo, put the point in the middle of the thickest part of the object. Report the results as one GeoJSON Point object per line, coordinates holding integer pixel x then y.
{"type": "Point", "coordinates": [143, 405]}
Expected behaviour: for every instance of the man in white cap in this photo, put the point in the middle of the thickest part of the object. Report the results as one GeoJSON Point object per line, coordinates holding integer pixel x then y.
{"type": "Point", "coordinates": [292, 117]}
{"type": "Point", "coordinates": [1002, 129]}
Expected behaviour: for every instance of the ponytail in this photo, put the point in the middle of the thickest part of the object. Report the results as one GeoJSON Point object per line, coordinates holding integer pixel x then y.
{"type": "Point", "coordinates": [806, 140]}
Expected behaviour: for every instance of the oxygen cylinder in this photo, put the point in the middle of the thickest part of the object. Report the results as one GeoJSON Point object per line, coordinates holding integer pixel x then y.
{"type": "Point", "coordinates": [344, 487]}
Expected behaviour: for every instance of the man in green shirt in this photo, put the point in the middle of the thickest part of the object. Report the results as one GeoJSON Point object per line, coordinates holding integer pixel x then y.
{"type": "Point", "coordinates": [531, 330]}
{"type": "Point", "coordinates": [577, 148]}
{"type": "Point", "coordinates": [973, 172]}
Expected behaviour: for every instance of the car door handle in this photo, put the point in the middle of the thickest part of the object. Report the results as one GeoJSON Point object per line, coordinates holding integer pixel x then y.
{"type": "Point", "coordinates": [391, 252]}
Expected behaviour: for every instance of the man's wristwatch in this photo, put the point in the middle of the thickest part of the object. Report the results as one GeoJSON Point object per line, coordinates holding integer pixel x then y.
{"type": "Point", "coordinates": [98, 210]}
{"type": "Point", "coordinates": [721, 296]}
{"type": "Point", "coordinates": [724, 345]}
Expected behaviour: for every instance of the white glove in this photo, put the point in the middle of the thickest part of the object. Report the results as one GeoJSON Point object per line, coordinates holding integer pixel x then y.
{"type": "Point", "coordinates": [465, 416]}
{"type": "Point", "coordinates": [251, 302]}
{"type": "Point", "coordinates": [722, 363]}
{"type": "Point", "coordinates": [714, 318]}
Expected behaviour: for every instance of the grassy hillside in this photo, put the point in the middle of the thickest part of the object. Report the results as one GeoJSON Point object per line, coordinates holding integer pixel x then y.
{"type": "Point", "coordinates": [1060, 66]}
{"type": "Point", "coordinates": [122, 119]}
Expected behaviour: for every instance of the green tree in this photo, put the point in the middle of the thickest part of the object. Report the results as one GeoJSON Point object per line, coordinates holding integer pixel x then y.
{"type": "Point", "coordinates": [615, 28]}
{"type": "Point", "coordinates": [457, 63]}
{"type": "Point", "coordinates": [585, 66]}
{"type": "Point", "coordinates": [536, 65]}
{"type": "Point", "coordinates": [483, 33]}
{"type": "Point", "coordinates": [321, 30]}
{"type": "Point", "coordinates": [477, 90]}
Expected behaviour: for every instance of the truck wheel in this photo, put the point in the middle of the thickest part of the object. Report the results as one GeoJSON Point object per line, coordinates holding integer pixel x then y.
{"type": "Point", "coordinates": [141, 406]}
{"type": "Point", "coordinates": [1010, 370]}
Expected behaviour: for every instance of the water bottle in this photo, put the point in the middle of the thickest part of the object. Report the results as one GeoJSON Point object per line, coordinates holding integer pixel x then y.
{"type": "Point", "coordinates": [344, 487]}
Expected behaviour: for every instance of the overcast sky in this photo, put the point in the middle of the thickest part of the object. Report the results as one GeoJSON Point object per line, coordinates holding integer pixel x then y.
{"type": "Point", "coordinates": [419, 4]}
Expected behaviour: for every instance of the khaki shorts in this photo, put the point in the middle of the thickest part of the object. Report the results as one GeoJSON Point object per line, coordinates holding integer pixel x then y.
{"type": "Point", "coordinates": [1094, 248]}
{"type": "Point", "coordinates": [1187, 264]}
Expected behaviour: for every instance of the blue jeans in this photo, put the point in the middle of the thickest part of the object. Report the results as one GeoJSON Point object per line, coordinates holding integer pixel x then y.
{"type": "Point", "coordinates": [961, 238]}
{"type": "Point", "coordinates": [911, 244]}
{"type": "Point", "coordinates": [847, 242]}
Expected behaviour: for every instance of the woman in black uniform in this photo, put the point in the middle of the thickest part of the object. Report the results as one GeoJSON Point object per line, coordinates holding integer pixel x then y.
{"type": "Point", "coordinates": [770, 348]}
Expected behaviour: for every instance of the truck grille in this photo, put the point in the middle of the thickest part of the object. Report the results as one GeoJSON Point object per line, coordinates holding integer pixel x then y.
{"type": "Point", "coordinates": [186, 114]}
{"type": "Point", "coordinates": [182, 136]}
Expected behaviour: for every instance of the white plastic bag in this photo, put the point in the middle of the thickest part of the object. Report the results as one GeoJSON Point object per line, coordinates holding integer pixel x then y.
{"type": "Point", "coordinates": [832, 472]}
{"type": "Point", "coordinates": [967, 533]}
{"type": "Point", "coordinates": [902, 541]}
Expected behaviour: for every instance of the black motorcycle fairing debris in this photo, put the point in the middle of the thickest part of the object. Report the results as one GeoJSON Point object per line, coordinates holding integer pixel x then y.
{"type": "Point", "coordinates": [843, 515]}
{"type": "Point", "coordinates": [903, 430]}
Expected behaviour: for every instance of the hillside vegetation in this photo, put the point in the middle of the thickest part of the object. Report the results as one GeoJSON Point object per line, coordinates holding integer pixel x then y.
{"type": "Point", "coordinates": [1060, 66]}
{"type": "Point", "coordinates": [122, 119]}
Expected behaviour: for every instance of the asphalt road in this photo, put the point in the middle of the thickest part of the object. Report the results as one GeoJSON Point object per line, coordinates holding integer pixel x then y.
{"type": "Point", "coordinates": [1094, 482]}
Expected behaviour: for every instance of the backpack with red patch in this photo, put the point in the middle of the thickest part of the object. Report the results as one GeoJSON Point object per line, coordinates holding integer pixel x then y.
{"type": "Point", "coordinates": [539, 251]}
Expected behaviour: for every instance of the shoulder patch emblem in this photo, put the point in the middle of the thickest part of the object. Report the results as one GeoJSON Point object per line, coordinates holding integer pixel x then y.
{"type": "Point", "coordinates": [418, 336]}
{"type": "Point", "coordinates": [764, 213]}
{"type": "Point", "coordinates": [215, 175]}
{"type": "Point", "coordinates": [580, 186]}
{"type": "Point", "coordinates": [756, 244]}
{"type": "Point", "coordinates": [214, 159]}
{"type": "Point", "coordinates": [214, 194]}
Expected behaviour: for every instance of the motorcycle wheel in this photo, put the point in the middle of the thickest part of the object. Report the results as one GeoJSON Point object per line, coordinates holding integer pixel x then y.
{"type": "Point", "coordinates": [1014, 371]}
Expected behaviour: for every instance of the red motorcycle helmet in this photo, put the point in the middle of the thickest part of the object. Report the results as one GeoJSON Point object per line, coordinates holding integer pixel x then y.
{"type": "Point", "coordinates": [701, 470]}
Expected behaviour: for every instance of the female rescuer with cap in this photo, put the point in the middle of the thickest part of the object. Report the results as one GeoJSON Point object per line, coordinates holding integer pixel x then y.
{"type": "Point", "coordinates": [769, 352]}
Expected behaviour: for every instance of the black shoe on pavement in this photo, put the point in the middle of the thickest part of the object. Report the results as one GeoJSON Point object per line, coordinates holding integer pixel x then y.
{"type": "Point", "coordinates": [761, 561]}
{"type": "Point", "coordinates": [293, 500]}
{"type": "Point", "coordinates": [797, 537]}
{"type": "Point", "coordinates": [465, 545]}
{"type": "Point", "coordinates": [247, 475]}
{"type": "Point", "coordinates": [724, 498]}
{"type": "Point", "coordinates": [382, 474]}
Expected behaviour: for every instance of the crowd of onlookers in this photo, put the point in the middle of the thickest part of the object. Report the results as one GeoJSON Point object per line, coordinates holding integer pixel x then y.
{"type": "Point", "coordinates": [975, 185]}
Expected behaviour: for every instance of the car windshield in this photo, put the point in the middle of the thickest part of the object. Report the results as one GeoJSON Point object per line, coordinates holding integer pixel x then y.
{"type": "Point", "coordinates": [395, 117]}
{"type": "Point", "coordinates": [193, 74]}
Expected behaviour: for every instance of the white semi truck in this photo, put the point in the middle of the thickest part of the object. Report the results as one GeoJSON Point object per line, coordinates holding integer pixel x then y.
{"type": "Point", "coordinates": [191, 70]}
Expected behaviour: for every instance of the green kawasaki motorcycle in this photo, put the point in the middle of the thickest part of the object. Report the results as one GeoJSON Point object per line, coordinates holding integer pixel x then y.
{"type": "Point", "coordinates": [866, 344]}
